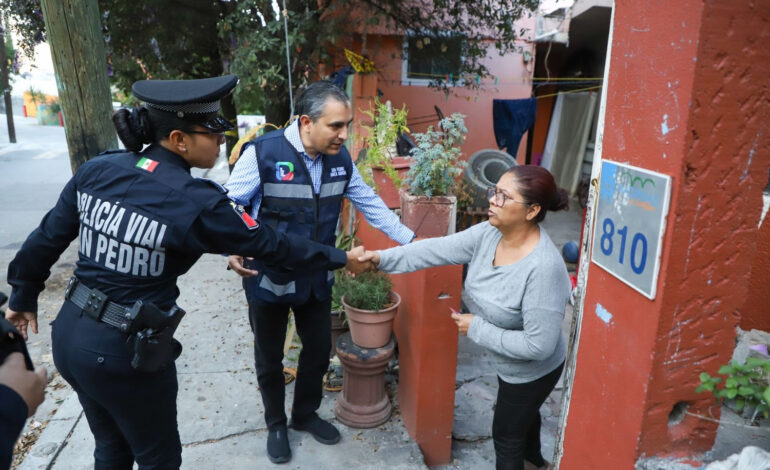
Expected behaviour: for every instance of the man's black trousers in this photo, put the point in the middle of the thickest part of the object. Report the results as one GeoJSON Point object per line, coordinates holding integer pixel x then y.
{"type": "Point", "coordinates": [268, 322]}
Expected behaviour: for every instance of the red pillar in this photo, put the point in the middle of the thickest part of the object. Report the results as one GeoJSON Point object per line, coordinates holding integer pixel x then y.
{"type": "Point", "coordinates": [687, 96]}
{"type": "Point", "coordinates": [427, 345]}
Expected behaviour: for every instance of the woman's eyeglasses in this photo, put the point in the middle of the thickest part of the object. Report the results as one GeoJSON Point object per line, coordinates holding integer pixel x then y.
{"type": "Point", "coordinates": [498, 197]}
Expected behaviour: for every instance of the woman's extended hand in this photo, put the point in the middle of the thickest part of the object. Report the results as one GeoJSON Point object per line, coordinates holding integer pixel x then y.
{"type": "Point", "coordinates": [463, 321]}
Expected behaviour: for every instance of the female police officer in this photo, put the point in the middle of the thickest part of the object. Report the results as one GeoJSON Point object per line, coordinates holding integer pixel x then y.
{"type": "Point", "coordinates": [142, 221]}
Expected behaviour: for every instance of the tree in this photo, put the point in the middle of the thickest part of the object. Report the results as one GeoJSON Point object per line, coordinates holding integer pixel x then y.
{"type": "Point", "coordinates": [158, 39]}
{"type": "Point", "coordinates": [320, 30]}
{"type": "Point", "coordinates": [7, 60]}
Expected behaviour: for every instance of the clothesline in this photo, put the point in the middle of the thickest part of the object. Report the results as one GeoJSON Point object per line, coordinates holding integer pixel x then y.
{"type": "Point", "coordinates": [568, 92]}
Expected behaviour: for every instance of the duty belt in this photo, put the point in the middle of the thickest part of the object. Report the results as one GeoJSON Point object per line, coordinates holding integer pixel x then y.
{"type": "Point", "coordinates": [96, 304]}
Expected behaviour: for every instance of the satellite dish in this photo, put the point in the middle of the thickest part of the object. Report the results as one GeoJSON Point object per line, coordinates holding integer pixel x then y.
{"type": "Point", "coordinates": [485, 168]}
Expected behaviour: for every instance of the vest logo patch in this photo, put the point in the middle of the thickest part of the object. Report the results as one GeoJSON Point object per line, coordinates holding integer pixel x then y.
{"type": "Point", "coordinates": [337, 171]}
{"type": "Point", "coordinates": [284, 171]}
{"type": "Point", "coordinates": [244, 216]}
{"type": "Point", "coordinates": [147, 164]}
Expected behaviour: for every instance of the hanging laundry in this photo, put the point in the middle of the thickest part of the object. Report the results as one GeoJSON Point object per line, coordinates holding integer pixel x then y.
{"type": "Point", "coordinates": [340, 77]}
{"type": "Point", "coordinates": [511, 118]}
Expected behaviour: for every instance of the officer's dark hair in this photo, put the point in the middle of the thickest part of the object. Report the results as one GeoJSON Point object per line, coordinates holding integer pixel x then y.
{"type": "Point", "coordinates": [537, 186]}
{"type": "Point", "coordinates": [142, 125]}
{"type": "Point", "coordinates": [312, 100]}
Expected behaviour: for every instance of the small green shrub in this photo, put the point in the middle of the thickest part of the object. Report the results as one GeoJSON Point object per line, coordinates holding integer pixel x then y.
{"type": "Point", "coordinates": [748, 384]}
{"type": "Point", "coordinates": [366, 291]}
{"type": "Point", "coordinates": [436, 160]}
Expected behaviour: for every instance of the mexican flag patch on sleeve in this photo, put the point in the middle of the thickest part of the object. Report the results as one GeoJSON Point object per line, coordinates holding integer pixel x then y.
{"type": "Point", "coordinates": [244, 216]}
{"type": "Point", "coordinates": [147, 164]}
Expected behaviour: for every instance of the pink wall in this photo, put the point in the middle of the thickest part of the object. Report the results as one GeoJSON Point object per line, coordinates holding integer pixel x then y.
{"type": "Point", "coordinates": [513, 82]}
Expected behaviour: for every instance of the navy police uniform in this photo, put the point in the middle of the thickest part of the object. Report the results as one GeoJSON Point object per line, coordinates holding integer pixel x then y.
{"type": "Point", "coordinates": [142, 221]}
{"type": "Point", "coordinates": [291, 206]}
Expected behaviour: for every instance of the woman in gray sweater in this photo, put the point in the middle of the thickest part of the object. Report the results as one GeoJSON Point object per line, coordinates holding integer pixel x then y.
{"type": "Point", "coordinates": [516, 291]}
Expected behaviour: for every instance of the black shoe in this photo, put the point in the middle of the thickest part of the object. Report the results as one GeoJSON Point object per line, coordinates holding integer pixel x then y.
{"type": "Point", "coordinates": [278, 450]}
{"type": "Point", "coordinates": [323, 431]}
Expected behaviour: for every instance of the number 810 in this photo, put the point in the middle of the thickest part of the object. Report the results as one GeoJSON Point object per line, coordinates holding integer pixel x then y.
{"type": "Point", "coordinates": [608, 229]}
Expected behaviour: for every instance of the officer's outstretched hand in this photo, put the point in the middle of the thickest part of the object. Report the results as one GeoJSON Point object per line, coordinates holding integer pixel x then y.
{"type": "Point", "coordinates": [356, 266]}
{"type": "Point", "coordinates": [29, 385]}
{"type": "Point", "coordinates": [371, 256]}
{"type": "Point", "coordinates": [21, 319]}
{"type": "Point", "coordinates": [235, 263]}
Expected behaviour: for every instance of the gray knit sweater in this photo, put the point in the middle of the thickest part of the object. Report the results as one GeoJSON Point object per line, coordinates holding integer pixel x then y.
{"type": "Point", "coordinates": [518, 308]}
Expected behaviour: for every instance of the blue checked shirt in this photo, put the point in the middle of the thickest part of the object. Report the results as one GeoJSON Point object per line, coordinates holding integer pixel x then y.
{"type": "Point", "coordinates": [245, 188]}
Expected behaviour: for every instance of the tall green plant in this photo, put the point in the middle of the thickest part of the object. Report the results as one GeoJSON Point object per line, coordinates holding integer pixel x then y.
{"type": "Point", "coordinates": [380, 144]}
{"type": "Point", "coordinates": [436, 163]}
{"type": "Point", "coordinates": [748, 384]}
{"type": "Point", "coordinates": [366, 291]}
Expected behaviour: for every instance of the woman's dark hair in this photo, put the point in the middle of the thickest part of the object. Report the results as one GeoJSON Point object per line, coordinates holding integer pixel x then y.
{"type": "Point", "coordinates": [537, 186]}
{"type": "Point", "coordinates": [141, 125]}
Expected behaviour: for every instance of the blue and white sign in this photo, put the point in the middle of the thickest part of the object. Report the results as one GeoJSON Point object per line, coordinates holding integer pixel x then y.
{"type": "Point", "coordinates": [630, 222]}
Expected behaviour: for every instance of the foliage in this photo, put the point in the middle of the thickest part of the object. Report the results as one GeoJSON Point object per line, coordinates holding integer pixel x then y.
{"type": "Point", "coordinates": [436, 160]}
{"type": "Point", "coordinates": [177, 39]}
{"type": "Point", "coordinates": [27, 21]}
{"type": "Point", "coordinates": [345, 241]}
{"type": "Point", "coordinates": [380, 144]}
{"type": "Point", "coordinates": [366, 291]}
{"type": "Point", "coordinates": [53, 106]}
{"type": "Point", "coordinates": [748, 384]}
{"type": "Point", "coordinates": [36, 96]}
{"type": "Point", "coordinates": [319, 32]}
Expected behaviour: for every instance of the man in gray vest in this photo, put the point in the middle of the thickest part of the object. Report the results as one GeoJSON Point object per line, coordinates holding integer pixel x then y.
{"type": "Point", "coordinates": [294, 179]}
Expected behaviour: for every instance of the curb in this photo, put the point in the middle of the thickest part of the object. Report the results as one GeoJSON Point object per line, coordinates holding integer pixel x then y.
{"type": "Point", "coordinates": [55, 436]}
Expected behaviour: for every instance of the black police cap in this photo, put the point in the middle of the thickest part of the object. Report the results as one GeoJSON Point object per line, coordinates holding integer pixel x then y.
{"type": "Point", "coordinates": [188, 98]}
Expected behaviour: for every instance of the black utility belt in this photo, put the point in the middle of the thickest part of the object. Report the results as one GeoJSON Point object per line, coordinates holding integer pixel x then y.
{"type": "Point", "coordinates": [141, 315]}
{"type": "Point", "coordinates": [96, 305]}
{"type": "Point", "coordinates": [150, 329]}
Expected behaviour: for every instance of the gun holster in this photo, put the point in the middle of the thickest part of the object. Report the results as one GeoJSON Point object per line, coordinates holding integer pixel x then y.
{"type": "Point", "coordinates": [153, 344]}
{"type": "Point", "coordinates": [154, 350]}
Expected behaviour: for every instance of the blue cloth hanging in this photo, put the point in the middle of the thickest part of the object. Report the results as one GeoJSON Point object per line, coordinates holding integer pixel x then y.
{"type": "Point", "coordinates": [511, 119]}
{"type": "Point", "coordinates": [340, 77]}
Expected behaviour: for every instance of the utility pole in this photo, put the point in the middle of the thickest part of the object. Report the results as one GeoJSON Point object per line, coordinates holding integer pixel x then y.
{"type": "Point", "coordinates": [6, 87]}
{"type": "Point", "coordinates": [77, 47]}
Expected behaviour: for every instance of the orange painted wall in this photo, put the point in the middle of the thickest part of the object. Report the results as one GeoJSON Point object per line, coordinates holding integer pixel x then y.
{"type": "Point", "coordinates": [686, 97]}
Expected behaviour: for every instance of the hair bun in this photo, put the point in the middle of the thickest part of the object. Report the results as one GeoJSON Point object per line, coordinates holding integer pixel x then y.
{"type": "Point", "coordinates": [560, 201]}
{"type": "Point", "coordinates": [133, 127]}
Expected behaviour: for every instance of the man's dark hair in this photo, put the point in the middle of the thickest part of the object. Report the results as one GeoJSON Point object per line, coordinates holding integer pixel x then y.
{"type": "Point", "coordinates": [312, 100]}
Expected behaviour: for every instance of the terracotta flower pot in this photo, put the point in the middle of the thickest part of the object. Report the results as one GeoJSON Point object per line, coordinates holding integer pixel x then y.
{"type": "Point", "coordinates": [370, 329]}
{"type": "Point", "coordinates": [388, 191]}
{"type": "Point", "coordinates": [429, 217]}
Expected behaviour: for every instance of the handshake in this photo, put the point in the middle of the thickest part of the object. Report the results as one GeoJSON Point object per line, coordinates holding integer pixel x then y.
{"type": "Point", "coordinates": [361, 260]}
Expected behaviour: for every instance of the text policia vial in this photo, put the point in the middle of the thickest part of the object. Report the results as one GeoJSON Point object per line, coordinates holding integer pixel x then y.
{"type": "Point", "coordinates": [133, 246]}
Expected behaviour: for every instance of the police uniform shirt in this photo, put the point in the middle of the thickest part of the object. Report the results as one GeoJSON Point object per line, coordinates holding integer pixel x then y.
{"type": "Point", "coordinates": [142, 221]}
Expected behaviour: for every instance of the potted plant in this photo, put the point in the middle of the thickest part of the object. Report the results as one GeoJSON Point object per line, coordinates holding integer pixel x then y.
{"type": "Point", "coordinates": [381, 167]}
{"type": "Point", "coordinates": [370, 307]}
{"type": "Point", "coordinates": [428, 205]}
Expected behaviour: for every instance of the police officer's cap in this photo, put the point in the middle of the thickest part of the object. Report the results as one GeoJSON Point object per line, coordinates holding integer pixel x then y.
{"type": "Point", "coordinates": [195, 100]}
